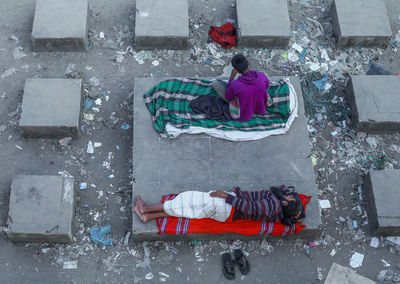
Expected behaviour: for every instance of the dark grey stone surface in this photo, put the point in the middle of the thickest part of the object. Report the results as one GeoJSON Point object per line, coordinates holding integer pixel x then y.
{"type": "Point", "coordinates": [162, 24]}
{"type": "Point", "coordinates": [60, 25]}
{"type": "Point", "coordinates": [263, 23]}
{"type": "Point", "coordinates": [41, 209]}
{"type": "Point", "coordinates": [204, 163]}
{"type": "Point", "coordinates": [374, 101]}
{"type": "Point", "coordinates": [51, 108]}
{"type": "Point", "coordinates": [361, 23]}
{"type": "Point", "coordinates": [381, 190]}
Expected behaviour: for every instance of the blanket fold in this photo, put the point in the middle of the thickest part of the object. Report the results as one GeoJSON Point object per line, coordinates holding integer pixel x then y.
{"type": "Point", "coordinates": [169, 104]}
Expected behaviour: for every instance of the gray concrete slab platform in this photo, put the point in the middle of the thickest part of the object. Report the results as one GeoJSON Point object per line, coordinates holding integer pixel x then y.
{"type": "Point", "coordinates": [374, 101]}
{"type": "Point", "coordinates": [204, 163]}
{"type": "Point", "coordinates": [60, 25]}
{"type": "Point", "coordinates": [162, 24]}
{"type": "Point", "coordinates": [381, 190]}
{"type": "Point", "coordinates": [343, 275]}
{"type": "Point", "coordinates": [361, 23]}
{"type": "Point", "coordinates": [51, 108]}
{"type": "Point", "coordinates": [41, 209]}
{"type": "Point", "coordinates": [263, 23]}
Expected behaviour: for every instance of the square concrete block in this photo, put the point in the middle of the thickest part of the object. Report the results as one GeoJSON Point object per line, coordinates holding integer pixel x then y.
{"type": "Point", "coordinates": [41, 209]}
{"type": "Point", "coordinates": [204, 163]}
{"type": "Point", "coordinates": [343, 275]}
{"type": "Point", "coordinates": [51, 108]}
{"type": "Point", "coordinates": [383, 195]}
{"type": "Point", "coordinates": [60, 25]}
{"type": "Point", "coordinates": [162, 24]}
{"type": "Point", "coordinates": [374, 101]}
{"type": "Point", "coordinates": [263, 23]}
{"type": "Point", "coordinates": [361, 23]}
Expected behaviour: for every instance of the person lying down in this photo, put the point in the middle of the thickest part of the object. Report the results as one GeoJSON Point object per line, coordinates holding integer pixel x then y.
{"type": "Point", "coordinates": [273, 205]}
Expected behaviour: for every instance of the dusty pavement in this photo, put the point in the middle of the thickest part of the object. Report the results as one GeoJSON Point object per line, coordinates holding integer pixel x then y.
{"type": "Point", "coordinates": [341, 157]}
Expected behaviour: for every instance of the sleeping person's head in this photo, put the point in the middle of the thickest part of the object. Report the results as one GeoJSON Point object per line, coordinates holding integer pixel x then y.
{"type": "Point", "coordinates": [240, 63]}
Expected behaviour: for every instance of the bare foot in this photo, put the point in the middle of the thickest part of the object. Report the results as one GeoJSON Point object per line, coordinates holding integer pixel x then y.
{"type": "Point", "coordinates": [141, 204]}
{"type": "Point", "coordinates": [140, 215]}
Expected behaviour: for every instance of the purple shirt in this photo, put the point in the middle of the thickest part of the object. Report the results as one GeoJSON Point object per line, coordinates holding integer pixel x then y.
{"type": "Point", "coordinates": [251, 90]}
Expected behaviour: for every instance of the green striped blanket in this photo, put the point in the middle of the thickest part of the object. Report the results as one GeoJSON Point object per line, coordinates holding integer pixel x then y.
{"type": "Point", "coordinates": [168, 102]}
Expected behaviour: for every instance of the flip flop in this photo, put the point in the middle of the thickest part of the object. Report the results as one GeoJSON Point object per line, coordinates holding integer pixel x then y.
{"type": "Point", "coordinates": [241, 260]}
{"type": "Point", "coordinates": [227, 266]}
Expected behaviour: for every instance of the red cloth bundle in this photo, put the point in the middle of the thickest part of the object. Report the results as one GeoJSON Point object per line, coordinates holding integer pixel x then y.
{"type": "Point", "coordinates": [225, 35]}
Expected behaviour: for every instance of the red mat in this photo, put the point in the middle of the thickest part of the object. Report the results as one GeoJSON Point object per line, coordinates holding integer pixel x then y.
{"type": "Point", "coordinates": [180, 226]}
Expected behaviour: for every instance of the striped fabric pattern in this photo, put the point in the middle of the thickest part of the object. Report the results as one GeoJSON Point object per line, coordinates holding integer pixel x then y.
{"type": "Point", "coordinates": [257, 205]}
{"type": "Point", "coordinates": [169, 102]}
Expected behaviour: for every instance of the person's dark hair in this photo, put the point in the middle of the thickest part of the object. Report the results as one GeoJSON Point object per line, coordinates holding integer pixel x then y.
{"type": "Point", "coordinates": [291, 209]}
{"type": "Point", "coordinates": [240, 63]}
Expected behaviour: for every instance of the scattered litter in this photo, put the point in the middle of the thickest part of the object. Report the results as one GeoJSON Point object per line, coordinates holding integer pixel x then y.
{"type": "Point", "coordinates": [266, 248]}
{"type": "Point", "coordinates": [90, 148]}
{"type": "Point", "coordinates": [149, 276]}
{"type": "Point", "coordinates": [70, 264]}
{"type": "Point", "coordinates": [94, 82]}
{"type": "Point", "coordinates": [83, 185]}
{"type": "Point", "coordinates": [297, 47]}
{"type": "Point", "coordinates": [163, 276]}
{"type": "Point", "coordinates": [8, 72]}
{"type": "Point", "coordinates": [64, 141]}
{"type": "Point", "coordinates": [18, 147]}
{"type": "Point", "coordinates": [101, 235]}
{"type": "Point", "coordinates": [356, 260]}
{"type": "Point", "coordinates": [388, 276]}
{"type": "Point", "coordinates": [325, 204]}
{"type": "Point", "coordinates": [155, 63]}
{"type": "Point", "coordinates": [320, 275]}
{"type": "Point", "coordinates": [88, 116]}
{"type": "Point", "coordinates": [146, 258]}
{"type": "Point", "coordinates": [371, 142]}
{"type": "Point", "coordinates": [88, 103]}
{"type": "Point", "coordinates": [110, 44]}
{"type": "Point", "coordinates": [45, 250]}
{"type": "Point", "coordinates": [125, 126]}
{"type": "Point", "coordinates": [394, 240]}
{"type": "Point", "coordinates": [374, 242]}
{"type": "Point", "coordinates": [320, 84]}
{"type": "Point", "coordinates": [333, 252]}
{"type": "Point", "coordinates": [98, 102]}
{"type": "Point", "coordinates": [97, 144]}
{"type": "Point", "coordinates": [101, 35]}
{"type": "Point", "coordinates": [71, 73]}
{"type": "Point", "coordinates": [126, 239]}
{"type": "Point", "coordinates": [385, 263]}
{"type": "Point", "coordinates": [18, 53]}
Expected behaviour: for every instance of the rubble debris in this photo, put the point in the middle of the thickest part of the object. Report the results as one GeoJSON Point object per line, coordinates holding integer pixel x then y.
{"type": "Point", "coordinates": [8, 72]}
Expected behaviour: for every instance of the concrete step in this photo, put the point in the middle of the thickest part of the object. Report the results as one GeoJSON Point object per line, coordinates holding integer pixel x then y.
{"type": "Point", "coordinates": [361, 23]}
{"type": "Point", "coordinates": [374, 102]}
{"type": "Point", "coordinates": [204, 163]}
{"type": "Point", "coordinates": [51, 108]}
{"type": "Point", "coordinates": [263, 23]}
{"type": "Point", "coordinates": [60, 25]}
{"type": "Point", "coordinates": [381, 191]}
{"type": "Point", "coordinates": [41, 209]}
{"type": "Point", "coordinates": [162, 24]}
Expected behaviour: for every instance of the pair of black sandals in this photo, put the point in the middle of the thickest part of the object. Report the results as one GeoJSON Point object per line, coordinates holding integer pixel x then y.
{"type": "Point", "coordinates": [227, 264]}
